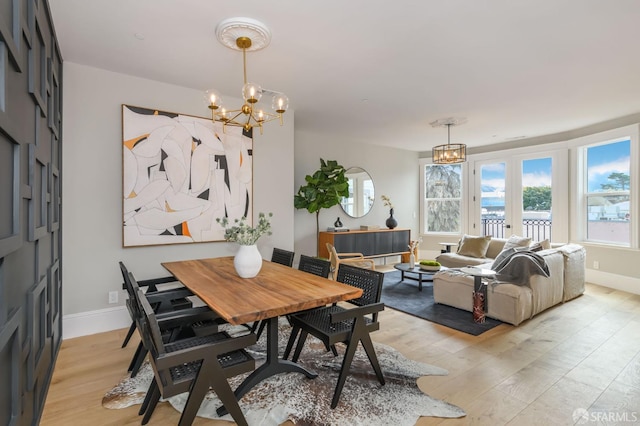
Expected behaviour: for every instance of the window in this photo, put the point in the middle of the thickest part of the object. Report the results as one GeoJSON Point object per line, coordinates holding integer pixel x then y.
{"type": "Point", "coordinates": [442, 203]}
{"type": "Point", "coordinates": [607, 183]}
{"type": "Point", "coordinates": [536, 198]}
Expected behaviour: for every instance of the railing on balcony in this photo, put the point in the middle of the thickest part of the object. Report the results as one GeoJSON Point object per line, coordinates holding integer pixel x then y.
{"type": "Point", "coordinates": [536, 229]}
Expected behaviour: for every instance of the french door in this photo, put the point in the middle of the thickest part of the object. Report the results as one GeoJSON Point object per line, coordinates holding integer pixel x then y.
{"type": "Point", "coordinates": [523, 195]}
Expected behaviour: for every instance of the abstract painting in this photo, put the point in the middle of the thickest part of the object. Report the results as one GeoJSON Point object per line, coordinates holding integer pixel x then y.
{"type": "Point", "coordinates": [180, 173]}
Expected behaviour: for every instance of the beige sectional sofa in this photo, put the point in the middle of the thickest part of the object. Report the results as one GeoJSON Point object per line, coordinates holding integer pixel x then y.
{"type": "Point", "coordinates": [509, 302]}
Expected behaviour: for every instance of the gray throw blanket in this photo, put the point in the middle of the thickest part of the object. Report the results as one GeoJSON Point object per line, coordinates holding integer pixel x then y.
{"type": "Point", "coordinates": [517, 265]}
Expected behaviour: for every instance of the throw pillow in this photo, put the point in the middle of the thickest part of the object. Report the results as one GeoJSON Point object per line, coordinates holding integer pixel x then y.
{"type": "Point", "coordinates": [474, 246]}
{"type": "Point", "coordinates": [516, 241]}
{"type": "Point", "coordinates": [540, 245]}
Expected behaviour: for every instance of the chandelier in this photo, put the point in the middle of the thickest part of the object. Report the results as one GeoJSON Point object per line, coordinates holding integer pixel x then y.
{"type": "Point", "coordinates": [246, 35]}
{"type": "Point", "coordinates": [450, 153]}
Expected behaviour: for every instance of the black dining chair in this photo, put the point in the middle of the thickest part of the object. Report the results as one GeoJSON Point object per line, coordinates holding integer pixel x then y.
{"type": "Point", "coordinates": [335, 324]}
{"type": "Point", "coordinates": [283, 257]}
{"type": "Point", "coordinates": [192, 365]}
{"type": "Point", "coordinates": [166, 303]}
{"type": "Point", "coordinates": [197, 321]}
{"type": "Point", "coordinates": [314, 265]}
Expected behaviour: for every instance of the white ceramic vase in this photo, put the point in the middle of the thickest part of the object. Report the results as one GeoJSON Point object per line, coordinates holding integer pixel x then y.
{"type": "Point", "coordinates": [248, 261]}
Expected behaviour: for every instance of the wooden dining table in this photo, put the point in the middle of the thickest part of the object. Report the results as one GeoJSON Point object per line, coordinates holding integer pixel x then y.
{"type": "Point", "coordinates": [277, 290]}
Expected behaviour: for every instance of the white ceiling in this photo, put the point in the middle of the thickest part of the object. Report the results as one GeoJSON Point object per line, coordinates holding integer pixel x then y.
{"type": "Point", "coordinates": [379, 72]}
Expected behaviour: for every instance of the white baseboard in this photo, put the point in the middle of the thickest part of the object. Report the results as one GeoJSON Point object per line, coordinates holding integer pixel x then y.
{"type": "Point", "coordinates": [92, 322]}
{"type": "Point", "coordinates": [618, 282]}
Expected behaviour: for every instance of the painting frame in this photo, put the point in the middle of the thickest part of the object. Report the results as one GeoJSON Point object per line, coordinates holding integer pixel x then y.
{"type": "Point", "coordinates": [179, 174]}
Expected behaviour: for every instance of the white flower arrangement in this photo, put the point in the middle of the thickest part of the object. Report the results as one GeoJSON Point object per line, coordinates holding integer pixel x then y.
{"type": "Point", "coordinates": [244, 234]}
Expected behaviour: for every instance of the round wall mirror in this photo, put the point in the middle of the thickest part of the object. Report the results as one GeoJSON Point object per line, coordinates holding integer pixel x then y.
{"type": "Point", "coordinates": [361, 193]}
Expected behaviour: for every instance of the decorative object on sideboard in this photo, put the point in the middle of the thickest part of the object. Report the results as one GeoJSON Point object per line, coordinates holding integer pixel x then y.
{"type": "Point", "coordinates": [450, 153]}
{"type": "Point", "coordinates": [369, 227]}
{"type": "Point", "coordinates": [391, 221]}
{"type": "Point", "coordinates": [245, 34]}
{"type": "Point", "coordinates": [341, 229]}
{"type": "Point", "coordinates": [324, 189]}
{"type": "Point", "coordinates": [338, 223]}
{"type": "Point", "coordinates": [248, 260]}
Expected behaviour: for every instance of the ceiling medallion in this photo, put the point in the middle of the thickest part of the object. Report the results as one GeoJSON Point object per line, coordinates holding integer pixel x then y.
{"type": "Point", "coordinates": [246, 35]}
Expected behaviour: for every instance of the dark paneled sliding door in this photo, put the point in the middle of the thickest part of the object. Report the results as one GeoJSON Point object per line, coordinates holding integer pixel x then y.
{"type": "Point", "coordinates": [30, 203]}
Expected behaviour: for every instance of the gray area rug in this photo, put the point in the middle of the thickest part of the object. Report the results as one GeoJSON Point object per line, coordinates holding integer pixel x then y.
{"type": "Point", "coordinates": [293, 397]}
{"type": "Point", "coordinates": [404, 296]}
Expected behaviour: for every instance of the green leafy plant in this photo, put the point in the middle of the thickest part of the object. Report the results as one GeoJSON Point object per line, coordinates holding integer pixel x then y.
{"type": "Point", "coordinates": [324, 189]}
{"type": "Point", "coordinates": [429, 263]}
{"type": "Point", "coordinates": [244, 234]}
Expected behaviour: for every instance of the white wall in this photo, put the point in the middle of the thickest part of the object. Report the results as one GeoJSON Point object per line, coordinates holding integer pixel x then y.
{"type": "Point", "coordinates": [394, 173]}
{"type": "Point", "coordinates": [92, 185]}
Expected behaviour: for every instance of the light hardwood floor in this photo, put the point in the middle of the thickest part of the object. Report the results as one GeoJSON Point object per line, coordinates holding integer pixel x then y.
{"type": "Point", "coordinates": [584, 354]}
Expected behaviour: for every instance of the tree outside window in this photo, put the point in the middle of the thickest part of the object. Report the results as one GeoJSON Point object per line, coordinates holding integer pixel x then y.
{"type": "Point", "coordinates": [443, 198]}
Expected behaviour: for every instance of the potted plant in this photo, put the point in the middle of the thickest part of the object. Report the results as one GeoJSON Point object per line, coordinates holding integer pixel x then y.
{"type": "Point", "coordinates": [324, 189]}
{"type": "Point", "coordinates": [247, 260]}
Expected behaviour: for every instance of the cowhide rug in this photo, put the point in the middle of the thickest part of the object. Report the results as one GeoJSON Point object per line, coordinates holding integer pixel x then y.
{"type": "Point", "coordinates": [293, 397]}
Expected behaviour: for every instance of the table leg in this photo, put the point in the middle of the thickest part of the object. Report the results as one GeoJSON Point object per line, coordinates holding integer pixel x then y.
{"type": "Point", "coordinates": [273, 365]}
{"type": "Point", "coordinates": [419, 281]}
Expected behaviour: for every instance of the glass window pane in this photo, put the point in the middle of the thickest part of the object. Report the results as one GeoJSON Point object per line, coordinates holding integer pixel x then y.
{"type": "Point", "coordinates": [492, 198]}
{"type": "Point", "coordinates": [536, 198]}
{"type": "Point", "coordinates": [608, 167]}
{"type": "Point", "coordinates": [444, 181]}
{"type": "Point", "coordinates": [608, 193]}
{"type": "Point", "coordinates": [443, 215]}
{"type": "Point", "coordinates": [608, 218]}
{"type": "Point", "coordinates": [442, 201]}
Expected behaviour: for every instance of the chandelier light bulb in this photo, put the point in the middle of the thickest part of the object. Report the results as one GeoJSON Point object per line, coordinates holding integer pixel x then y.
{"type": "Point", "coordinates": [280, 103]}
{"type": "Point", "coordinates": [212, 99]}
{"type": "Point", "coordinates": [251, 93]}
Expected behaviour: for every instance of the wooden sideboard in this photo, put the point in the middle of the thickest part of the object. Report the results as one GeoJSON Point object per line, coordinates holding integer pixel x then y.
{"type": "Point", "coordinates": [374, 243]}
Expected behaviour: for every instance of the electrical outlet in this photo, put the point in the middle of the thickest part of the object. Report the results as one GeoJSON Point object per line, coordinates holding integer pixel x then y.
{"type": "Point", "coordinates": [596, 264]}
{"type": "Point", "coordinates": [113, 297]}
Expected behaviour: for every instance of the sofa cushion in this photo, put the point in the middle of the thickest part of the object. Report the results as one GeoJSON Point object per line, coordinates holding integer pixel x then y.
{"type": "Point", "coordinates": [540, 245]}
{"type": "Point", "coordinates": [454, 260]}
{"type": "Point", "coordinates": [495, 247]}
{"type": "Point", "coordinates": [516, 241]}
{"type": "Point", "coordinates": [474, 246]}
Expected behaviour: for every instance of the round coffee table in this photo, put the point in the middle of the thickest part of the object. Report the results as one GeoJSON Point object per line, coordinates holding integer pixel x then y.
{"type": "Point", "coordinates": [418, 274]}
